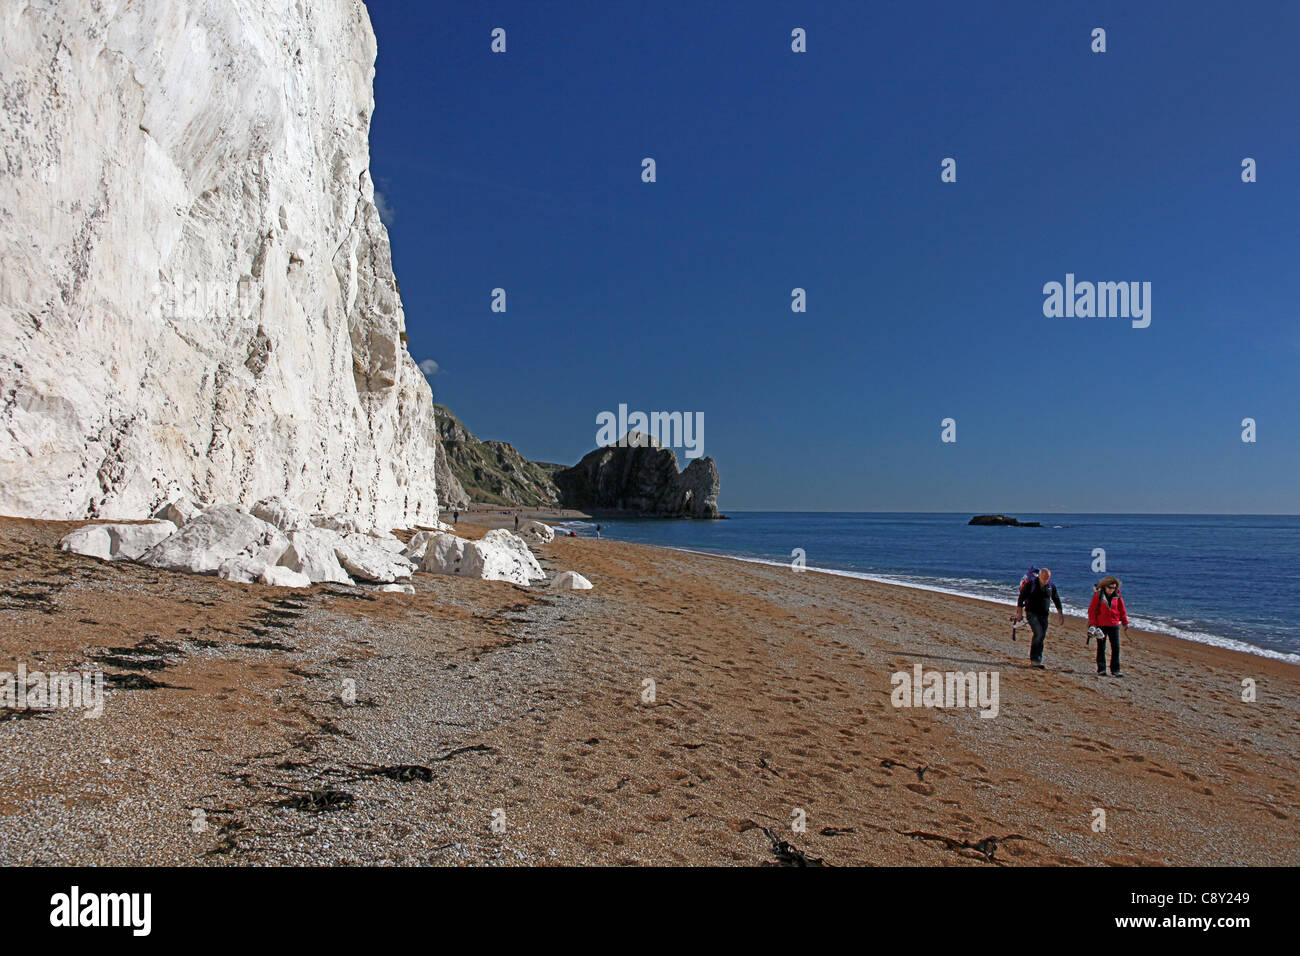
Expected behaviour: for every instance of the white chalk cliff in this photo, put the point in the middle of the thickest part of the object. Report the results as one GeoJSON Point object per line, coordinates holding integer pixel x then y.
{"type": "Point", "coordinates": [196, 291]}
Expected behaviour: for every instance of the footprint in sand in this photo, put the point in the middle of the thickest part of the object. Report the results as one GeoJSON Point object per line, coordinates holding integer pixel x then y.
{"type": "Point", "coordinates": [1273, 810]}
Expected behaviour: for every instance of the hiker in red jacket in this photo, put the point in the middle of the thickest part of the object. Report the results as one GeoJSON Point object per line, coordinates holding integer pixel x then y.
{"type": "Point", "coordinates": [1107, 613]}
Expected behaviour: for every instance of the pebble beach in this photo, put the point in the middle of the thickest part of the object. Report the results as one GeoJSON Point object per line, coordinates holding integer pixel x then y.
{"type": "Point", "coordinates": [688, 710]}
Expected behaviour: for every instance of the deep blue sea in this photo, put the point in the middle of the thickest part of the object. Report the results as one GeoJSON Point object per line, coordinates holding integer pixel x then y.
{"type": "Point", "coordinates": [1230, 580]}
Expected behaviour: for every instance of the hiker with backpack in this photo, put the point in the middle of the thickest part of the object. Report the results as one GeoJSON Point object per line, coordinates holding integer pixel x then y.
{"type": "Point", "coordinates": [1107, 613]}
{"type": "Point", "coordinates": [1037, 593]}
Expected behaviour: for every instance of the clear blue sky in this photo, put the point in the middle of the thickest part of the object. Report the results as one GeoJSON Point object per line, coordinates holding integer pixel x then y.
{"type": "Point", "coordinates": [822, 170]}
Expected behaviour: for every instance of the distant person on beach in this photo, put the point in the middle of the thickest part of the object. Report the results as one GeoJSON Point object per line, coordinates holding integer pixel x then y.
{"type": "Point", "coordinates": [1036, 591]}
{"type": "Point", "coordinates": [455, 517]}
{"type": "Point", "coordinates": [516, 520]}
{"type": "Point", "coordinates": [597, 531]}
{"type": "Point", "coordinates": [1107, 613]}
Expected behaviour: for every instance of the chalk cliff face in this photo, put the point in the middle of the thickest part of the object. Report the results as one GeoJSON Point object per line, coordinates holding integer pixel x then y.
{"type": "Point", "coordinates": [196, 291]}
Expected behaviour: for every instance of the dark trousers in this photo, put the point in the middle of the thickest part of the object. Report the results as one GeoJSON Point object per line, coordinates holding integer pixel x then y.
{"type": "Point", "coordinates": [1113, 634]}
{"type": "Point", "coordinates": [1037, 624]}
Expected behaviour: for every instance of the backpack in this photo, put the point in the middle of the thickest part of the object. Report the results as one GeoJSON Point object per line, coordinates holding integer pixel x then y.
{"type": "Point", "coordinates": [1030, 578]}
{"type": "Point", "coordinates": [1030, 581]}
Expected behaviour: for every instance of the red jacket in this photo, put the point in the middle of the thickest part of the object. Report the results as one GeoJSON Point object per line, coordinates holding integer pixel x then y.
{"type": "Point", "coordinates": [1101, 614]}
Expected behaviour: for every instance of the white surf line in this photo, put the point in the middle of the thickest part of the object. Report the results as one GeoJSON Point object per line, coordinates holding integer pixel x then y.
{"type": "Point", "coordinates": [1145, 624]}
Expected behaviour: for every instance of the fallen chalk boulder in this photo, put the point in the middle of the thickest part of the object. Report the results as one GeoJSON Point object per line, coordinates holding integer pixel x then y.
{"type": "Point", "coordinates": [243, 569]}
{"type": "Point", "coordinates": [443, 553]}
{"type": "Point", "coordinates": [93, 541]}
{"type": "Point", "coordinates": [536, 533]}
{"type": "Point", "coordinates": [498, 556]}
{"type": "Point", "coordinates": [252, 571]}
{"type": "Point", "coordinates": [179, 511]}
{"type": "Point", "coordinates": [215, 536]}
{"type": "Point", "coordinates": [570, 581]}
{"type": "Point", "coordinates": [418, 544]}
{"type": "Point", "coordinates": [114, 542]}
{"type": "Point", "coordinates": [281, 577]}
{"type": "Point", "coordinates": [311, 552]}
{"type": "Point", "coordinates": [502, 556]}
{"type": "Point", "coordinates": [342, 523]}
{"type": "Point", "coordinates": [367, 560]}
{"type": "Point", "coordinates": [281, 514]}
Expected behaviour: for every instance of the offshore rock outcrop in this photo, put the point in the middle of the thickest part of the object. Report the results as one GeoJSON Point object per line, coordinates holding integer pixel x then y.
{"type": "Point", "coordinates": [196, 291]}
{"type": "Point", "coordinates": [1003, 521]}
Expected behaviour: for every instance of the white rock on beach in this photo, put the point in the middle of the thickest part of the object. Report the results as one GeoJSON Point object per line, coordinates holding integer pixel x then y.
{"type": "Point", "coordinates": [350, 524]}
{"type": "Point", "coordinates": [342, 523]}
{"type": "Point", "coordinates": [365, 559]}
{"type": "Point", "coordinates": [388, 541]}
{"type": "Point", "coordinates": [537, 532]}
{"type": "Point", "coordinates": [178, 512]}
{"type": "Point", "coordinates": [117, 541]}
{"type": "Point", "coordinates": [219, 534]}
{"type": "Point", "coordinates": [255, 571]}
{"type": "Point", "coordinates": [502, 556]}
{"type": "Point", "coordinates": [198, 295]}
{"type": "Point", "coordinates": [281, 514]}
{"type": "Point", "coordinates": [570, 581]}
{"type": "Point", "coordinates": [93, 541]}
{"type": "Point", "coordinates": [498, 556]}
{"type": "Point", "coordinates": [282, 577]}
{"type": "Point", "coordinates": [311, 553]}
{"type": "Point", "coordinates": [132, 540]}
{"type": "Point", "coordinates": [229, 541]}
{"type": "Point", "coordinates": [242, 568]}
{"type": "Point", "coordinates": [443, 554]}
{"type": "Point", "coordinates": [418, 544]}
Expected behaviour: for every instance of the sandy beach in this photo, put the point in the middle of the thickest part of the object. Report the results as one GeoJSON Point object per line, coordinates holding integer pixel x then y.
{"type": "Point", "coordinates": [482, 722]}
